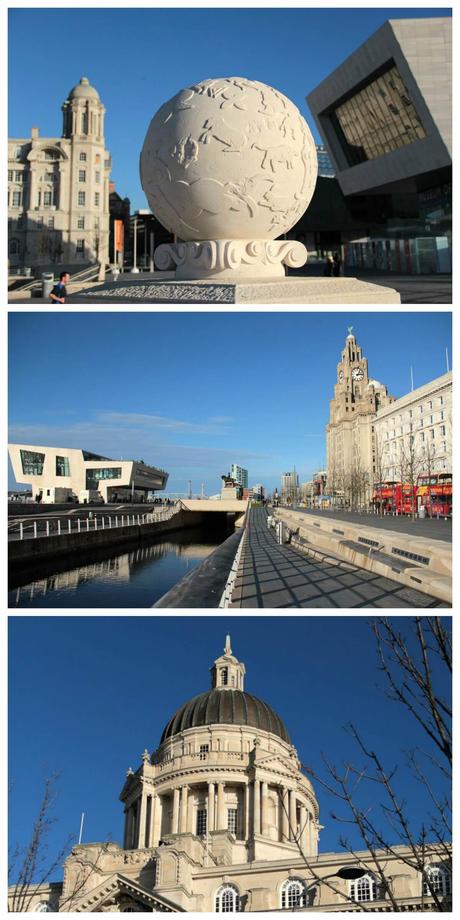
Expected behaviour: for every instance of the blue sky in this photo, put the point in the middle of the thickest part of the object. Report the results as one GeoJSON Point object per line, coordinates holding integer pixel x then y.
{"type": "Point", "coordinates": [89, 694]}
{"type": "Point", "coordinates": [139, 58]}
{"type": "Point", "coordinates": [195, 392]}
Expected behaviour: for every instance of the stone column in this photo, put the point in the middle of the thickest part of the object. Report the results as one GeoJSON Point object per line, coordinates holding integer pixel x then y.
{"type": "Point", "coordinates": [284, 797]}
{"type": "Point", "coordinates": [157, 820]}
{"type": "Point", "coordinates": [183, 809]}
{"type": "Point", "coordinates": [264, 804]}
{"type": "Point", "coordinates": [304, 829]}
{"type": "Point", "coordinates": [191, 815]}
{"type": "Point", "coordinates": [153, 806]}
{"type": "Point", "coordinates": [292, 814]}
{"type": "Point", "coordinates": [211, 815]}
{"type": "Point", "coordinates": [256, 812]}
{"type": "Point", "coordinates": [137, 816]}
{"type": "Point", "coordinates": [221, 822]}
{"type": "Point", "coordinates": [245, 827]}
{"type": "Point", "coordinates": [175, 819]}
{"type": "Point", "coordinates": [142, 819]}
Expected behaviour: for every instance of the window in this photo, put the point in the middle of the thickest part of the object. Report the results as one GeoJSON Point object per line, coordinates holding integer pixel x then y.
{"type": "Point", "coordinates": [422, 436]}
{"type": "Point", "coordinates": [364, 889]}
{"type": "Point", "coordinates": [294, 894]}
{"type": "Point", "coordinates": [14, 247]}
{"type": "Point", "coordinates": [62, 466]}
{"type": "Point", "coordinates": [227, 900]}
{"type": "Point", "coordinates": [432, 434]}
{"type": "Point", "coordinates": [204, 751]}
{"type": "Point", "coordinates": [97, 199]}
{"type": "Point", "coordinates": [82, 175]}
{"type": "Point", "coordinates": [81, 223]}
{"type": "Point", "coordinates": [81, 199]}
{"type": "Point", "coordinates": [201, 822]}
{"type": "Point", "coordinates": [83, 157]}
{"type": "Point", "coordinates": [10, 175]}
{"type": "Point", "coordinates": [18, 153]}
{"type": "Point", "coordinates": [420, 409]}
{"type": "Point", "coordinates": [32, 463]}
{"type": "Point", "coordinates": [224, 677]}
{"type": "Point", "coordinates": [50, 155]}
{"type": "Point", "coordinates": [39, 221]}
{"type": "Point", "coordinates": [49, 177]}
{"type": "Point", "coordinates": [430, 404]}
{"type": "Point", "coordinates": [104, 472]}
{"type": "Point", "coordinates": [16, 199]}
{"type": "Point", "coordinates": [80, 247]}
{"type": "Point", "coordinates": [20, 221]}
{"type": "Point", "coordinates": [47, 199]}
{"type": "Point", "coordinates": [42, 907]}
{"type": "Point", "coordinates": [437, 880]}
{"type": "Point", "coordinates": [98, 177]}
{"type": "Point", "coordinates": [50, 223]}
{"type": "Point", "coordinates": [232, 821]}
{"type": "Point", "coordinates": [18, 176]}
{"type": "Point", "coordinates": [443, 431]}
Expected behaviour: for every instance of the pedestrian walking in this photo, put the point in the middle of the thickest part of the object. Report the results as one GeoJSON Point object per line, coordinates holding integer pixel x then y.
{"type": "Point", "coordinates": [329, 267]}
{"type": "Point", "coordinates": [337, 265]}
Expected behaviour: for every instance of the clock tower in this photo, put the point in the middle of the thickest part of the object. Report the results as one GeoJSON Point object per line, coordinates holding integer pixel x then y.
{"type": "Point", "coordinates": [350, 433]}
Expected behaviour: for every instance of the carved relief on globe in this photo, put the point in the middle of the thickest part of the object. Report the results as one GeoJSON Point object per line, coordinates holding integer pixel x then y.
{"type": "Point", "coordinates": [228, 159]}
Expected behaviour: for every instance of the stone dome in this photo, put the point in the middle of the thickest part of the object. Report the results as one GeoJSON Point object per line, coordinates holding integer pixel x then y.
{"type": "Point", "coordinates": [226, 707]}
{"type": "Point", "coordinates": [84, 90]}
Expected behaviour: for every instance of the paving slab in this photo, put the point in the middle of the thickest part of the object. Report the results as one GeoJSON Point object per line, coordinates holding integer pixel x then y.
{"type": "Point", "coordinates": [274, 576]}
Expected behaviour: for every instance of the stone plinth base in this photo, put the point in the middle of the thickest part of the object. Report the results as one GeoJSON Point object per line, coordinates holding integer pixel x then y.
{"type": "Point", "coordinates": [279, 291]}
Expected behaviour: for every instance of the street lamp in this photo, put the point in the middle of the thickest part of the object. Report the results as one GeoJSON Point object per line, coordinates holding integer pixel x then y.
{"type": "Point", "coordinates": [349, 873]}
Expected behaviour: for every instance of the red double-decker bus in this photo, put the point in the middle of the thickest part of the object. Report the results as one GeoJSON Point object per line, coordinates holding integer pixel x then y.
{"type": "Point", "coordinates": [434, 493]}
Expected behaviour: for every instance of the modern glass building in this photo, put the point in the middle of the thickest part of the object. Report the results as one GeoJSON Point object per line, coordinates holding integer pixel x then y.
{"type": "Point", "coordinates": [240, 475]}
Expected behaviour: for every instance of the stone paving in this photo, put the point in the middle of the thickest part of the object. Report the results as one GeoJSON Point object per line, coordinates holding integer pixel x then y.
{"type": "Point", "coordinates": [270, 575]}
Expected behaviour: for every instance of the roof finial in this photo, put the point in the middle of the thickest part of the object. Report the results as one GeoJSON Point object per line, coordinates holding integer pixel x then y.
{"type": "Point", "coordinates": [228, 648]}
{"type": "Point", "coordinates": [350, 330]}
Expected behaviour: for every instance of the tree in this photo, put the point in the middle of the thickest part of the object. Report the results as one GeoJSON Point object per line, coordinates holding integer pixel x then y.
{"type": "Point", "coordinates": [414, 669]}
{"type": "Point", "coordinates": [31, 867]}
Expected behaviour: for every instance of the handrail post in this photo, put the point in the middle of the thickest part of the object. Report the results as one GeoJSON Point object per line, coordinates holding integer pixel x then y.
{"type": "Point", "coordinates": [70, 526]}
{"type": "Point", "coordinates": [35, 530]}
{"type": "Point", "coordinates": [47, 528]}
{"type": "Point", "coordinates": [59, 527]}
{"type": "Point", "coordinates": [79, 525]}
{"type": "Point", "coordinates": [21, 530]}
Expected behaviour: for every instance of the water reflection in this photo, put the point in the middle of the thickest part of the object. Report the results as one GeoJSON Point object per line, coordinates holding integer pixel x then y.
{"type": "Point", "coordinates": [135, 578]}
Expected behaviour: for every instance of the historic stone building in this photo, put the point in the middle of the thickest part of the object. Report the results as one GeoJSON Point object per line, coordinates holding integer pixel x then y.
{"type": "Point", "coordinates": [220, 818]}
{"type": "Point", "coordinates": [351, 459]}
{"type": "Point", "coordinates": [58, 189]}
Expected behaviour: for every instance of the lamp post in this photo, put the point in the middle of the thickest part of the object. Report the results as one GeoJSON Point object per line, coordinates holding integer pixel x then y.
{"type": "Point", "coordinates": [349, 873]}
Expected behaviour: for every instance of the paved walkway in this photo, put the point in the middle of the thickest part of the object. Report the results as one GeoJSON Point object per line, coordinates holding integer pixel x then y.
{"type": "Point", "coordinates": [430, 528]}
{"type": "Point", "coordinates": [270, 575]}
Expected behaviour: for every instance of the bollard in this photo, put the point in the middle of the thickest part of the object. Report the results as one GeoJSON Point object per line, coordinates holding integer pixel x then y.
{"type": "Point", "coordinates": [21, 530]}
{"type": "Point", "coordinates": [138, 520]}
{"type": "Point", "coordinates": [59, 527]}
{"type": "Point", "coordinates": [70, 526]}
{"type": "Point", "coordinates": [87, 524]}
{"type": "Point", "coordinates": [95, 522]}
{"type": "Point", "coordinates": [35, 530]}
{"type": "Point", "coordinates": [78, 525]}
{"type": "Point", "coordinates": [116, 520]}
{"type": "Point", "coordinates": [47, 528]}
{"type": "Point", "coordinates": [103, 525]}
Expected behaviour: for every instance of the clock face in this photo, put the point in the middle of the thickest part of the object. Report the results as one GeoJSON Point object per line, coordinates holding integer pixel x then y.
{"type": "Point", "coordinates": [341, 377]}
{"type": "Point", "coordinates": [357, 373]}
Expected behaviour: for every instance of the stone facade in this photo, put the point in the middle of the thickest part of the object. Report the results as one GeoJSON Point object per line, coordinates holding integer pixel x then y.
{"type": "Point", "coordinates": [423, 419]}
{"type": "Point", "coordinates": [220, 818]}
{"type": "Point", "coordinates": [58, 189]}
{"type": "Point", "coordinates": [350, 432]}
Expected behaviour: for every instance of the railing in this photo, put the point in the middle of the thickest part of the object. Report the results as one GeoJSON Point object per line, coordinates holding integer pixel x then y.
{"type": "Point", "coordinates": [55, 527]}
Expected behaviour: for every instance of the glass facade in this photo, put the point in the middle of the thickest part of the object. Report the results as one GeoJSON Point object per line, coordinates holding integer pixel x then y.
{"type": "Point", "coordinates": [93, 476]}
{"type": "Point", "coordinates": [62, 466]}
{"type": "Point", "coordinates": [32, 462]}
{"type": "Point", "coordinates": [378, 119]}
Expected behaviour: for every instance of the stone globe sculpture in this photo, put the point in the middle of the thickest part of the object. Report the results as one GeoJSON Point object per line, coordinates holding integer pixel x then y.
{"type": "Point", "coordinates": [228, 165]}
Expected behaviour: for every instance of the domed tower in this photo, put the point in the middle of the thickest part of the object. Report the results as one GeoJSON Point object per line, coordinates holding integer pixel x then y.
{"type": "Point", "coordinates": [225, 782]}
{"type": "Point", "coordinates": [83, 112]}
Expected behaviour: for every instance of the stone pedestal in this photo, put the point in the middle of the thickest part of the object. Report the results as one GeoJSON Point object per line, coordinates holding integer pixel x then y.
{"type": "Point", "coordinates": [327, 291]}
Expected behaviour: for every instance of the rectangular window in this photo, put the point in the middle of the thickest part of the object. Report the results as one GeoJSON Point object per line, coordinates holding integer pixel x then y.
{"type": "Point", "coordinates": [80, 247]}
{"type": "Point", "coordinates": [432, 434]}
{"type": "Point", "coordinates": [62, 466]}
{"type": "Point", "coordinates": [50, 223]}
{"type": "Point", "coordinates": [10, 175]}
{"type": "Point", "coordinates": [82, 175]}
{"type": "Point", "coordinates": [16, 199]}
{"type": "Point", "coordinates": [204, 751]}
{"type": "Point", "coordinates": [83, 157]}
{"type": "Point", "coordinates": [443, 431]}
{"type": "Point", "coordinates": [39, 221]}
{"type": "Point", "coordinates": [98, 177]}
{"type": "Point", "coordinates": [18, 176]}
{"type": "Point", "coordinates": [420, 409]}
{"type": "Point", "coordinates": [81, 199]}
{"type": "Point", "coordinates": [32, 463]}
{"type": "Point", "coordinates": [232, 821]}
{"type": "Point", "coordinates": [441, 400]}
{"type": "Point", "coordinates": [47, 199]}
{"type": "Point", "coordinates": [201, 822]}
{"type": "Point", "coordinates": [97, 199]}
{"type": "Point", "coordinates": [81, 223]}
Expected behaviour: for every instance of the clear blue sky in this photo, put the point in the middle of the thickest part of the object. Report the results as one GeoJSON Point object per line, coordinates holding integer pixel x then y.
{"type": "Point", "coordinates": [194, 392]}
{"type": "Point", "coordinates": [88, 694]}
{"type": "Point", "coordinates": [139, 58]}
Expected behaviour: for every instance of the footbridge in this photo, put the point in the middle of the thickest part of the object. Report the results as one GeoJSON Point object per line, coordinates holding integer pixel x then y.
{"type": "Point", "coordinates": [235, 506]}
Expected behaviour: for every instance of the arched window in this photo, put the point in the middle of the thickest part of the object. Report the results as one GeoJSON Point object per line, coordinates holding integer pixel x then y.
{"type": "Point", "coordinates": [437, 881]}
{"type": "Point", "coordinates": [227, 900]}
{"type": "Point", "coordinates": [224, 677]}
{"type": "Point", "coordinates": [364, 889]}
{"type": "Point", "coordinates": [294, 893]}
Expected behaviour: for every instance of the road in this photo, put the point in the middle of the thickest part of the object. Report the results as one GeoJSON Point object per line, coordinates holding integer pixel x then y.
{"type": "Point", "coordinates": [432, 528]}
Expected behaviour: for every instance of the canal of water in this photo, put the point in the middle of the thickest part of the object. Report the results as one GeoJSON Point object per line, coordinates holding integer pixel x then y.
{"type": "Point", "coordinates": [136, 577]}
